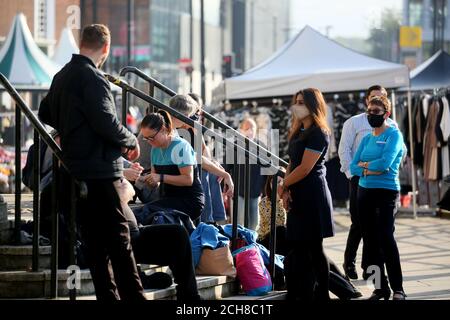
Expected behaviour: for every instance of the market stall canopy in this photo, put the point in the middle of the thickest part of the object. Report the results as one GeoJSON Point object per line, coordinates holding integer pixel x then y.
{"type": "Point", "coordinates": [21, 60]}
{"type": "Point", "coordinates": [66, 47]}
{"type": "Point", "coordinates": [312, 60]}
{"type": "Point", "coordinates": [434, 73]}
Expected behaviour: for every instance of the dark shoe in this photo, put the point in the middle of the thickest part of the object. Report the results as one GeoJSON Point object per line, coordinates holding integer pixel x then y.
{"type": "Point", "coordinates": [350, 272]}
{"type": "Point", "coordinates": [157, 280]}
{"type": "Point", "coordinates": [399, 295]}
{"type": "Point", "coordinates": [379, 294]}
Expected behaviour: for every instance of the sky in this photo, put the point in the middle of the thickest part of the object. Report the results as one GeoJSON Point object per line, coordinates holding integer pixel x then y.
{"type": "Point", "coordinates": [347, 18]}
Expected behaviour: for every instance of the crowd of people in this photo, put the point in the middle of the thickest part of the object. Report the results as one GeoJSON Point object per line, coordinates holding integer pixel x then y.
{"type": "Point", "coordinates": [168, 167]}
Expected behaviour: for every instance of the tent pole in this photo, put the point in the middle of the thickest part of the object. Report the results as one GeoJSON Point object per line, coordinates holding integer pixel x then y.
{"type": "Point", "coordinates": [394, 111]}
{"type": "Point", "coordinates": [411, 148]}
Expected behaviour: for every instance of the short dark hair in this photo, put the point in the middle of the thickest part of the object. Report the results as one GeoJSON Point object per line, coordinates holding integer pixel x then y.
{"type": "Point", "coordinates": [381, 101]}
{"type": "Point", "coordinates": [95, 36]}
{"type": "Point", "coordinates": [376, 87]}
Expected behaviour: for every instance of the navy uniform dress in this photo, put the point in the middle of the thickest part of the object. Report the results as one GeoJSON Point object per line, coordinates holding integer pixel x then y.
{"type": "Point", "coordinates": [310, 216]}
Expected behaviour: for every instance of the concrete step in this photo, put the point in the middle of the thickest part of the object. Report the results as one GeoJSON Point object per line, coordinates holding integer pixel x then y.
{"type": "Point", "coordinates": [36, 285]}
{"type": "Point", "coordinates": [3, 210]}
{"type": "Point", "coordinates": [209, 287]}
{"type": "Point", "coordinates": [6, 231]}
{"type": "Point", "coordinates": [19, 258]}
{"type": "Point", "coordinates": [28, 285]}
{"type": "Point", "coordinates": [273, 295]}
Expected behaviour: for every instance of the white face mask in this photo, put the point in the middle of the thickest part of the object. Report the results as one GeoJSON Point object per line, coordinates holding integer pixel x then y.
{"type": "Point", "coordinates": [300, 111]}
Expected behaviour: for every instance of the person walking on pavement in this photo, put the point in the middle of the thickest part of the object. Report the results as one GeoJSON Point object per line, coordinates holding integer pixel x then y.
{"type": "Point", "coordinates": [80, 106]}
{"type": "Point", "coordinates": [353, 131]}
{"type": "Point", "coordinates": [377, 162]}
{"type": "Point", "coordinates": [305, 192]}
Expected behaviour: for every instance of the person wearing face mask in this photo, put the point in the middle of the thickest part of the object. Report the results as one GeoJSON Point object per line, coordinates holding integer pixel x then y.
{"type": "Point", "coordinates": [377, 163]}
{"type": "Point", "coordinates": [353, 131]}
{"type": "Point", "coordinates": [80, 106]}
{"type": "Point", "coordinates": [306, 195]}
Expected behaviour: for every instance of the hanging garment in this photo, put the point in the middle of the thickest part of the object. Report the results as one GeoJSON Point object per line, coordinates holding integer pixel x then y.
{"type": "Point", "coordinates": [419, 123]}
{"type": "Point", "coordinates": [281, 116]}
{"type": "Point", "coordinates": [445, 129]}
{"type": "Point", "coordinates": [332, 150]}
{"type": "Point", "coordinates": [431, 144]}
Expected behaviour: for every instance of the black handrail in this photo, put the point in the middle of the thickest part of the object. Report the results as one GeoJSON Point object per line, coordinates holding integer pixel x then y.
{"type": "Point", "coordinates": [222, 125]}
{"type": "Point", "coordinates": [260, 159]}
{"type": "Point", "coordinates": [236, 171]}
{"type": "Point", "coordinates": [41, 132]}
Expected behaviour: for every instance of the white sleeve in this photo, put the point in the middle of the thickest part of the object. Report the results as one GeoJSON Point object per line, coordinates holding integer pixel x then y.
{"type": "Point", "coordinates": [345, 147]}
{"type": "Point", "coordinates": [445, 121]}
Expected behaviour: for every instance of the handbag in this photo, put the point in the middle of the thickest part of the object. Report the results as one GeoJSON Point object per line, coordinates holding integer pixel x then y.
{"type": "Point", "coordinates": [217, 262]}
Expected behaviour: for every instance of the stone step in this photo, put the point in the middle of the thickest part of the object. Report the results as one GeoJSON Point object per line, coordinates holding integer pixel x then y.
{"type": "Point", "coordinates": [273, 295]}
{"type": "Point", "coordinates": [31, 285]}
{"type": "Point", "coordinates": [36, 285]}
{"type": "Point", "coordinates": [6, 231]}
{"type": "Point", "coordinates": [3, 210]}
{"type": "Point", "coordinates": [19, 258]}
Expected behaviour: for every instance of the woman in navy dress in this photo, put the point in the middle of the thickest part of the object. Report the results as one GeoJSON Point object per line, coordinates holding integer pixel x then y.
{"type": "Point", "coordinates": [306, 193]}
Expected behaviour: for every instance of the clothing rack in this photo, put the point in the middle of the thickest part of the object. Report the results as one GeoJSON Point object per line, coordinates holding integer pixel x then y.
{"type": "Point", "coordinates": [436, 92]}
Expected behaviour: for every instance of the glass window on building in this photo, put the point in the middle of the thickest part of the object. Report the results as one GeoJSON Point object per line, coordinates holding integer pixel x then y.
{"type": "Point", "coordinates": [416, 13]}
{"type": "Point", "coordinates": [441, 9]}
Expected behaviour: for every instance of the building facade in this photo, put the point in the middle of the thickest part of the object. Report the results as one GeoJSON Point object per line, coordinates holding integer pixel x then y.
{"type": "Point", "coordinates": [45, 18]}
{"type": "Point", "coordinates": [260, 27]}
{"type": "Point", "coordinates": [433, 16]}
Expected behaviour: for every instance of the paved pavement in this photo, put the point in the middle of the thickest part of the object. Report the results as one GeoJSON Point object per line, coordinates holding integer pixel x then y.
{"type": "Point", "coordinates": [424, 245]}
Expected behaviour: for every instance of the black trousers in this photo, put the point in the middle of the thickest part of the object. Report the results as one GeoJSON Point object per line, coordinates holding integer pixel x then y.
{"type": "Point", "coordinates": [354, 234]}
{"type": "Point", "coordinates": [169, 245]}
{"type": "Point", "coordinates": [104, 230]}
{"type": "Point", "coordinates": [378, 208]}
{"type": "Point", "coordinates": [307, 271]}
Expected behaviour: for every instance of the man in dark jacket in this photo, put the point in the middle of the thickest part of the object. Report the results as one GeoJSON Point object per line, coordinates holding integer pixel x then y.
{"type": "Point", "coordinates": [79, 105]}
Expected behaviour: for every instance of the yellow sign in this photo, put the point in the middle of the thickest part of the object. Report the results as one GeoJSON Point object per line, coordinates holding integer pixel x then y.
{"type": "Point", "coordinates": [410, 37]}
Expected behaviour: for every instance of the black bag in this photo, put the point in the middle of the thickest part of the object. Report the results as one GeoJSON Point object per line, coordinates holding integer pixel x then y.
{"type": "Point", "coordinates": [150, 214]}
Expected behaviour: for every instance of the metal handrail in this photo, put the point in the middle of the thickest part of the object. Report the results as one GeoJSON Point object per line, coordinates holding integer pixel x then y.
{"type": "Point", "coordinates": [41, 132]}
{"type": "Point", "coordinates": [222, 125]}
{"type": "Point", "coordinates": [151, 100]}
{"type": "Point", "coordinates": [140, 94]}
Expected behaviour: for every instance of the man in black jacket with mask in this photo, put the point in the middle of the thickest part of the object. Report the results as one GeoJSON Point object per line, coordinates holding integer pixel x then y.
{"type": "Point", "coordinates": [79, 105]}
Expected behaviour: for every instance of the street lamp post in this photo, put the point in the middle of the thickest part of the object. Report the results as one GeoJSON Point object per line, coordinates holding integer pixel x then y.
{"type": "Point", "coordinates": [130, 18]}
{"type": "Point", "coordinates": [202, 49]}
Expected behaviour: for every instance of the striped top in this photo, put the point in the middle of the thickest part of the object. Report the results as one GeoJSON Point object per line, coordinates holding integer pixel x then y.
{"type": "Point", "coordinates": [353, 131]}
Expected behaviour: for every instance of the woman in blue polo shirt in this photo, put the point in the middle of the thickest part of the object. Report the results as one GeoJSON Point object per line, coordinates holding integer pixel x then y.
{"type": "Point", "coordinates": [174, 166]}
{"type": "Point", "coordinates": [377, 162]}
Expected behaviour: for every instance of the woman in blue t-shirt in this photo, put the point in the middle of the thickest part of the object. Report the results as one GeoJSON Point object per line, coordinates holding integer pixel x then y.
{"type": "Point", "coordinates": [377, 162]}
{"type": "Point", "coordinates": [174, 166]}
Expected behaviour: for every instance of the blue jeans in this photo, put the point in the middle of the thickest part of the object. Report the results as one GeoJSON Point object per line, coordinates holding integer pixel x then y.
{"type": "Point", "coordinates": [214, 209]}
{"type": "Point", "coordinates": [253, 218]}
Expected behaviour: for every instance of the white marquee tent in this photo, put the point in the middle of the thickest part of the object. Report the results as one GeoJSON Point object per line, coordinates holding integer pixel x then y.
{"type": "Point", "coordinates": [312, 60]}
{"type": "Point", "coordinates": [66, 47]}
